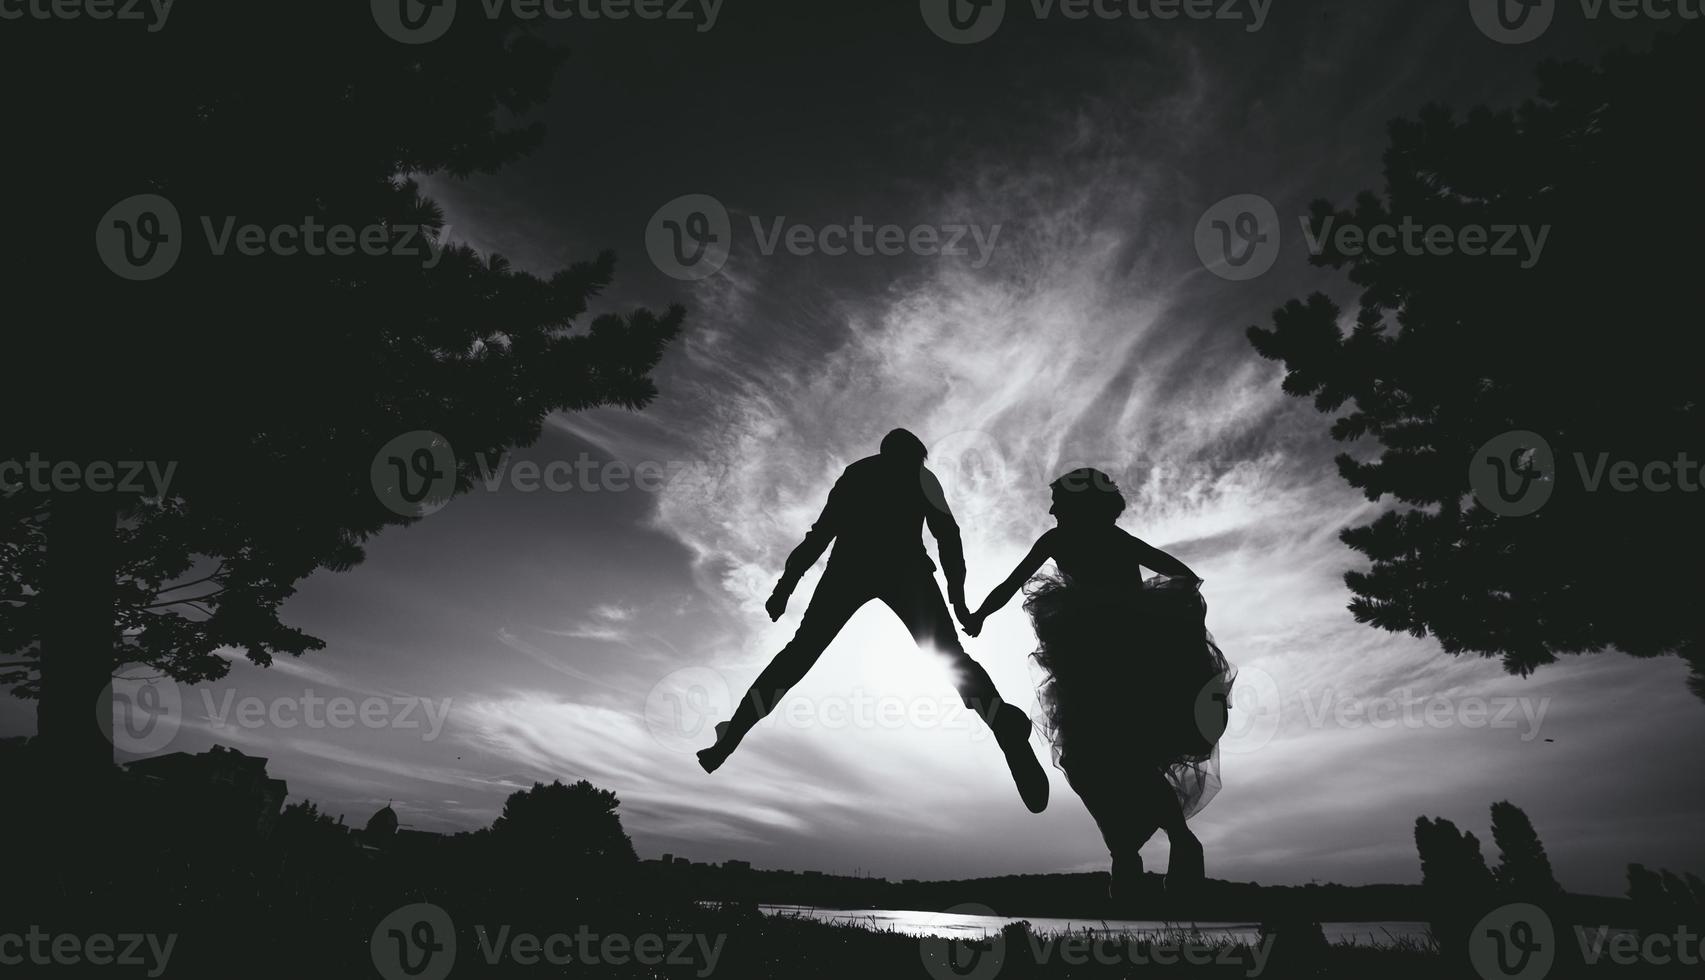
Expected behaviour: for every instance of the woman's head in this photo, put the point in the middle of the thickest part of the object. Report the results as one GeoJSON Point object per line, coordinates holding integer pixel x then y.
{"type": "Point", "coordinates": [1086, 496]}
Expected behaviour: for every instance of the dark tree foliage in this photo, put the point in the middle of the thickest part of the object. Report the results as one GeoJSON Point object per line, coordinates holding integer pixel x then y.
{"type": "Point", "coordinates": [571, 834]}
{"type": "Point", "coordinates": [1663, 899]}
{"type": "Point", "coordinates": [269, 381]}
{"type": "Point", "coordinates": [1452, 864]}
{"type": "Point", "coordinates": [1646, 888]}
{"type": "Point", "coordinates": [1454, 878]}
{"type": "Point", "coordinates": [1592, 348]}
{"type": "Point", "coordinates": [1523, 867]}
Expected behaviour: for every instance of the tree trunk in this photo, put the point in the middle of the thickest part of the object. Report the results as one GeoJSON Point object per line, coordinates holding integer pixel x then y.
{"type": "Point", "coordinates": [78, 635]}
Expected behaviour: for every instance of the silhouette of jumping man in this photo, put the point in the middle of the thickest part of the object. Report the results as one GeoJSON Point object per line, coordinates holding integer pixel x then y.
{"type": "Point", "coordinates": [875, 517]}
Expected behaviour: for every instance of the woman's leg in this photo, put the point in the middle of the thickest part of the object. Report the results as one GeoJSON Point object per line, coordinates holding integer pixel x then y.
{"type": "Point", "coordinates": [1185, 866]}
{"type": "Point", "coordinates": [1126, 820]}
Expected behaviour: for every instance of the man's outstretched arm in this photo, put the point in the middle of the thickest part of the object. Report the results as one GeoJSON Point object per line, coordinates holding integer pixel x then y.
{"type": "Point", "coordinates": [803, 557]}
{"type": "Point", "coordinates": [947, 542]}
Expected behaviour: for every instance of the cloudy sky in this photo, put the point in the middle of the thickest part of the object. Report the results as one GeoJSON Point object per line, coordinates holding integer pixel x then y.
{"type": "Point", "coordinates": [594, 631]}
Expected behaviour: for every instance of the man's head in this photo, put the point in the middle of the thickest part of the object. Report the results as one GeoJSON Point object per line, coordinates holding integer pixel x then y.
{"type": "Point", "coordinates": [902, 446]}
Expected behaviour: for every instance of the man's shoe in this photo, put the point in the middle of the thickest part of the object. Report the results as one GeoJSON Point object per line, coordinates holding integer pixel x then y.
{"type": "Point", "coordinates": [1012, 731]}
{"type": "Point", "coordinates": [711, 759]}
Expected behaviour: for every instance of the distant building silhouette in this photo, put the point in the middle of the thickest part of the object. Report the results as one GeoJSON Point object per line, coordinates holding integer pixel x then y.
{"type": "Point", "coordinates": [381, 827]}
{"type": "Point", "coordinates": [221, 783]}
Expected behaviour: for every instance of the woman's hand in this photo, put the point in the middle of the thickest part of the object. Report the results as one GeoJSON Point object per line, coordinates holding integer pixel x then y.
{"type": "Point", "coordinates": [972, 623]}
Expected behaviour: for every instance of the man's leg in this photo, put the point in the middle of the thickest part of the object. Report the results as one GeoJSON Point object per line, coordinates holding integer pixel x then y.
{"type": "Point", "coordinates": [834, 602]}
{"type": "Point", "coordinates": [917, 600]}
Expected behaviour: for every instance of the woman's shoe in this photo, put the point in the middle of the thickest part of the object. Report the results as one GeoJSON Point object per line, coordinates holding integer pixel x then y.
{"type": "Point", "coordinates": [1125, 880]}
{"type": "Point", "coordinates": [1186, 868]}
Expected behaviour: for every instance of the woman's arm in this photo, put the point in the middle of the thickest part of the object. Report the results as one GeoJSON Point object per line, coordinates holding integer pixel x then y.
{"type": "Point", "coordinates": [1156, 560]}
{"type": "Point", "coordinates": [1003, 593]}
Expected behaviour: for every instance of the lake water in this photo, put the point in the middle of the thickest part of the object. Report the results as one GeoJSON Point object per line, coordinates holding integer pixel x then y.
{"type": "Point", "coordinates": [982, 926]}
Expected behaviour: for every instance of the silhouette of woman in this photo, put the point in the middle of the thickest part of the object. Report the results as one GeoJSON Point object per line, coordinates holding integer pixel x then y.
{"type": "Point", "coordinates": [1134, 692]}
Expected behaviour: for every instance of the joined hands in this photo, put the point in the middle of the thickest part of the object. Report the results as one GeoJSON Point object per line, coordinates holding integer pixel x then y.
{"type": "Point", "coordinates": [970, 622]}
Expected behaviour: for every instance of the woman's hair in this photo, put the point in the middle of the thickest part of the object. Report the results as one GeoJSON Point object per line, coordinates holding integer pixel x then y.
{"type": "Point", "coordinates": [1089, 494]}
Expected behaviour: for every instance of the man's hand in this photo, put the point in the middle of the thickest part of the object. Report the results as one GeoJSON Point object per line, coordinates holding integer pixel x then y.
{"type": "Point", "coordinates": [776, 604]}
{"type": "Point", "coordinates": [969, 621]}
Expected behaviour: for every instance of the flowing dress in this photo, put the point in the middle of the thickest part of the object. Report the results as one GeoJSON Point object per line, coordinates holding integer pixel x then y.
{"type": "Point", "coordinates": [1131, 677]}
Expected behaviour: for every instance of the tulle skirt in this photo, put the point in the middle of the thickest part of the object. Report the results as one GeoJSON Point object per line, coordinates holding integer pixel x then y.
{"type": "Point", "coordinates": [1131, 678]}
